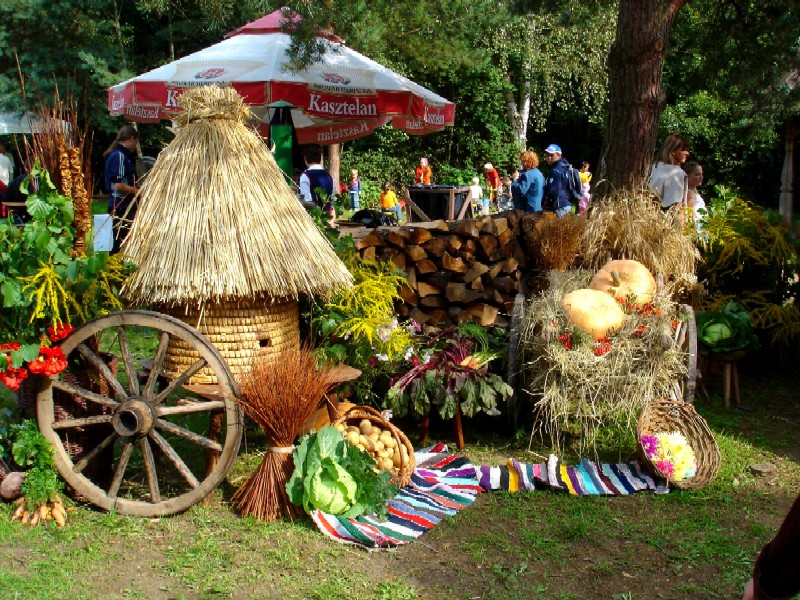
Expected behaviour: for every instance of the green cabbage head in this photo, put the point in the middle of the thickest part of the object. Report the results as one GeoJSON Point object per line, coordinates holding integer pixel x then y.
{"type": "Point", "coordinates": [330, 489]}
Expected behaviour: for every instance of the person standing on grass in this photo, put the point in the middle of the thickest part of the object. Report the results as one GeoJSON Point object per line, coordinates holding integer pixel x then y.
{"type": "Point", "coordinates": [556, 192]}
{"type": "Point", "coordinates": [355, 190]}
{"type": "Point", "coordinates": [527, 190]}
{"type": "Point", "coordinates": [120, 182]}
{"type": "Point", "coordinates": [493, 181]}
{"type": "Point", "coordinates": [667, 179]}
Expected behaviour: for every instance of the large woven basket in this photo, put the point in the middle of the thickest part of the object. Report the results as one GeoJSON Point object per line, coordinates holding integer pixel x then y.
{"type": "Point", "coordinates": [241, 331]}
{"type": "Point", "coordinates": [356, 414]}
{"type": "Point", "coordinates": [665, 415]}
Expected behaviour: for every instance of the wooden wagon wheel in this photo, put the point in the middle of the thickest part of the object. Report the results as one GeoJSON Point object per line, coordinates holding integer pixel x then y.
{"type": "Point", "coordinates": [685, 339]}
{"type": "Point", "coordinates": [147, 433]}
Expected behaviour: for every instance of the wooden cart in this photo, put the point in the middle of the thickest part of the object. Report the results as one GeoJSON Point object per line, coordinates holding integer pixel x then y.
{"type": "Point", "coordinates": [143, 442]}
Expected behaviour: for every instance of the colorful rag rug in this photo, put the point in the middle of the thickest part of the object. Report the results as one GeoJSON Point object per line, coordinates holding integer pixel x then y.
{"type": "Point", "coordinates": [441, 485]}
{"type": "Point", "coordinates": [586, 479]}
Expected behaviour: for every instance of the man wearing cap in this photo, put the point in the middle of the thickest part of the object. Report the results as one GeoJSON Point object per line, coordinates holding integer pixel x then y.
{"type": "Point", "coordinates": [493, 179]}
{"type": "Point", "coordinates": [556, 194]}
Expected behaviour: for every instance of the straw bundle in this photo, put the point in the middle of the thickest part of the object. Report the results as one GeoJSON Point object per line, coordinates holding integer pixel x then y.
{"type": "Point", "coordinates": [629, 225]}
{"type": "Point", "coordinates": [577, 392]}
{"type": "Point", "coordinates": [553, 243]}
{"type": "Point", "coordinates": [279, 397]}
{"type": "Point", "coordinates": [217, 221]}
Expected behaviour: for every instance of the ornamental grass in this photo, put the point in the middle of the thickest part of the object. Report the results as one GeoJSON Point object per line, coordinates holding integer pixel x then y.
{"type": "Point", "coordinates": [579, 385]}
{"type": "Point", "coordinates": [217, 220]}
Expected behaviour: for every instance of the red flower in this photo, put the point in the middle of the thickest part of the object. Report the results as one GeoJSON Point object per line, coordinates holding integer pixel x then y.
{"type": "Point", "coordinates": [12, 378]}
{"type": "Point", "coordinates": [415, 361]}
{"type": "Point", "coordinates": [640, 330]}
{"type": "Point", "coordinates": [567, 345]}
{"type": "Point", "coordinates": [9, 346]}
{"type": "Point", "coordinates": [373, 361]}
{"type": "Point", "coordinates": [59, 332]}
{"type": "Point", "coordinates": [51, 361]}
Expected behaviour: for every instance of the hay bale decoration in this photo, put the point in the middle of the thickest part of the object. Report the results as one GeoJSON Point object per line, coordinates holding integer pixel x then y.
{"type": "Point", "coordinates": [219, 234]}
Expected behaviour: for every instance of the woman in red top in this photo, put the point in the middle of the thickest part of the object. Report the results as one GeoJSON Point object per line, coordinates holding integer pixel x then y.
{"type": "Point", "coordinates": [423, 173]}
{"type": "Point", "coordinates": [493, 179]}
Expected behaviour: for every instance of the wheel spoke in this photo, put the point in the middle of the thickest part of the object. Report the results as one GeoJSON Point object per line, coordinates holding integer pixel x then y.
{"type": "Point", "coordinates": [192, 407]}
{"type": "Point", "coordinates": [184, 377]}
{"type": "Point", "coordinates": [82, 422]}
{"type": "Point", "coordinates": [189, 435]}
{"type": "Point", "coordinates": [127, 359]}
{"type": "Point", "coordinates": [74, 390]}
{"type": "Point", "coordinates": [174, 458]}
{"type": "Point", "coordinates": [119, 472]}
{"type": "Point", "coordinates": [150, 468]}
{"type": "Point", "coordinates": [105, 372]}
{"type": "Point", "coordinates": [158, 362]}
{"type": "Point", "coordinates": [83, 463]}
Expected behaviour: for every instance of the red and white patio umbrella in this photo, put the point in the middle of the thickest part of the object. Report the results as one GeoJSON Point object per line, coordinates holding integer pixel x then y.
{"type": "Point", "coordinates": [342, 97]}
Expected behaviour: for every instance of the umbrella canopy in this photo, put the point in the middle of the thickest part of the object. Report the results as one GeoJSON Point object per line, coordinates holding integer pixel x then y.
{"type": "Point", "coordinates": [216, 220]}
{"type": "Point", "coordinates": [24, 123]}
{"type": "Point", "coordinates": [344, 96]}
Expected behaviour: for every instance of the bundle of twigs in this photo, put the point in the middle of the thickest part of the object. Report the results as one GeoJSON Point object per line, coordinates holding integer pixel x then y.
{"type": "Point", "coordinates": [279, 396]}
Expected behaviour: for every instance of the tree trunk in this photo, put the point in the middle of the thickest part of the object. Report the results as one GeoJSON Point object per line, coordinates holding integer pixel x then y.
{"type": "Point", "coordinates": [636, 98]}
{"type": "Point", "coordinates": [334, 155]}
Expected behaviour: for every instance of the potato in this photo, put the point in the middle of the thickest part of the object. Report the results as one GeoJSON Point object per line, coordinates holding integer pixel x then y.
{"type": "Point", "coordinates": [353, 429]}
{"type": "Point", "coordinates": [352, 437]}
{"type": "Point", "coordinates": [389, 442]}
{"type": "Point", "coordinates": [397, 460]}
{"type": "Point", "coordinates": [378, 445]}
{"type": "Point", "coordinates": [365, 427]}
{"type": "Point", "coordinates": [385, 464]}
{"type": "Point", "coordinates": [11, 488]}
{"type": "Point", "coordinates": [367, 443]}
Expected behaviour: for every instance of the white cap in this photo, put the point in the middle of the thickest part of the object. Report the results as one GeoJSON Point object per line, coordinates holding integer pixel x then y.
{"type": "Point", "coordinates": [488, 167]}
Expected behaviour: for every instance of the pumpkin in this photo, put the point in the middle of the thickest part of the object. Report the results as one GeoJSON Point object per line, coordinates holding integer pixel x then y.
{"type": "Point", "coordinates": [593, 311]}
{"type": "Point", "coordinates": [319, 418]}
{"type": "Point", "coordinates": [626, 278]}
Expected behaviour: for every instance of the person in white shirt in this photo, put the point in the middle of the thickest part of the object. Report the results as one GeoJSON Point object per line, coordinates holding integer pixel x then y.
{"type": "Point", "coordinates": [667, 179]}
{"type": "Point", "coordinates": [6, 165]}
{"type": "Point", "coordinates": [695, 202]}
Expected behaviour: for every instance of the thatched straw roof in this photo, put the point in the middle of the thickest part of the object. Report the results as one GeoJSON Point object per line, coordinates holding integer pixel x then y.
{"type": "Point", "coordinates": [217, 221]}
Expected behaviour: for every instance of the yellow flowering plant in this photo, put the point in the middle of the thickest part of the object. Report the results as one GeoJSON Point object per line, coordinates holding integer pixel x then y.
{"type": "Point", "coordinates": [47, 288]}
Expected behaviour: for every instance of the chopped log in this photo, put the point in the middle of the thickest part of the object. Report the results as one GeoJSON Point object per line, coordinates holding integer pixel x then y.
{"type": "Point", "coordinates": [501, 225]}
{"type": "Point", "coordinates": [437, 316]}
{"type": "Point", "coordinates": [505, 284]}
{"type": "Point", "coordinates": [408, 295]}
{"type": "Point", "coordinates": [411, 276]}
{"type": "Point", "coordinates": [488, 244]}
{"type": "Point", "coordinates": [402, 309]}
{"type": "Point", "coordinates": [399, 261]}
{"type": "Point", "coordinates": [469, 245]}
{"type": "Point", "coordinates": [453, 263]}
{"type": "Point", "coordinates": [419, 316]}
{"type": "Point", "coordinates": [440, 279]}
{"type": "Point", "coordinates": [458, 292]}
{"type": "Point", "coordinates": [453, 244]}
{"type": "Point", "coordinates": [437, 225]}
{"type": "Point", "coordinates": [486, 225]}
{"type": "Point", "coordinates": [468, 257]}
{"type": "Point", "coordinates": [482, 313]}
{"type": "Point", "coordinates": [396, 236]}
{"type": "Point", "coordinates": [435, 247]}
{"type": "Point", "coordinates": [504, 237]}
{"type": "Point", "coordinates": [466, 229]}
{"type": "Point", "coordinates": [416, 253]}
{"type": "Point", "coordinates": [494, 270]}
{"type": "Point", "coordinates": [475, 271]}
{"type": "Point", "coordinates": [513, 249]}
{"type": "Point", "coordinates": [513, 217]}
{"type": "Point", "coordinates": [476, 284]}
{"type": "Point", "coordinates": [433, 301]}
{"type": "Point", "coordinates": [426, 289]}
{"type": "Point", "coordinates": [426, 266]}
{"type": "Point", "coordinates": [373, 238]}
{"type": "Point", "coordinates": [419, 235]}
{"type": "Point", "coordinates": [368, 254]}
{"type": "Point", "coordinates": [510, 265]}
{"type": "Point", "coordinates": [497, 255]}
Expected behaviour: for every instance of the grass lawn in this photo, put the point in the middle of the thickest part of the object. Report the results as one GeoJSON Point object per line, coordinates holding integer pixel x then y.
{"type": "Point", "coordinates": [697, 544]}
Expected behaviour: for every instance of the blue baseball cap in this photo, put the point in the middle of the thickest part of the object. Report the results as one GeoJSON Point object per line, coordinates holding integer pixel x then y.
{"type": "Point", "coordinates": [552, 149]}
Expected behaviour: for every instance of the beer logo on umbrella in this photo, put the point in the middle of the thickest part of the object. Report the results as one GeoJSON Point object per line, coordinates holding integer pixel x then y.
{"type": "Point", "coordinates": [336, 78]}
{"type": "Point", "coordinates": [210, 73]}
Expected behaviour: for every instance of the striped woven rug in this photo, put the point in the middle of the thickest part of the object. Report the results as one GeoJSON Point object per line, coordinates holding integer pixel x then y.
{"type": "Point", "coordinates": [443, 484]}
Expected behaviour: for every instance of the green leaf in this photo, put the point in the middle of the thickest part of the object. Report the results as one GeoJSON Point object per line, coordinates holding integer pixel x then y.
{"type": "Point", "coordinates": [12, 293]}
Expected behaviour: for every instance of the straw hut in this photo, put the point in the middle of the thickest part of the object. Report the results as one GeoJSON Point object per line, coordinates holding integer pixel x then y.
{"type": "Point", "coordinates": [220, 240]}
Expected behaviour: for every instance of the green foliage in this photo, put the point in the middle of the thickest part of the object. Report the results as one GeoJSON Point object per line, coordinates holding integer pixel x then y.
{"type": "Point", "coordinates": [41, 284]}
{"type": "Point", "coordinates": [32, 452]}
{"type": "Point", "coordinates": [335, 477]}
{"type": "Point", "coordinates": [750, 258]}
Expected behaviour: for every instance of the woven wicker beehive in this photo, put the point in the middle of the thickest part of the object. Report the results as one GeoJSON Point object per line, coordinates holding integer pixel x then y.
{"type": "Point", "coordinates": [241, 331]}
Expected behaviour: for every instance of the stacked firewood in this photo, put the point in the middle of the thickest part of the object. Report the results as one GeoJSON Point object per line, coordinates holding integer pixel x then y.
{"type": "Point", "coordinates": [461, 271]}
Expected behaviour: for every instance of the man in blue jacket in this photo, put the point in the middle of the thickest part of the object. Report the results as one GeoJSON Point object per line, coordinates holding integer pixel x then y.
{"type": "Point", "coordinates": [556, 194]}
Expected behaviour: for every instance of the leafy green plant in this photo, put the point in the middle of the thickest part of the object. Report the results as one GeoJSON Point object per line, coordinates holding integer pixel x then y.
{"type": "Point", "coordinates": [33, 453]}
{"type": "Point", "coordinates": [453, 377]}
{"type": "Point", "coordinates": [335, 477]}
{"type": "Point", "coordinates": [725, 330]}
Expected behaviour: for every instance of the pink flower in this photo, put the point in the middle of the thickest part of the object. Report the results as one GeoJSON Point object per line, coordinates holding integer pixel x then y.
{"type": "Point", "coordinates": [667, 468]}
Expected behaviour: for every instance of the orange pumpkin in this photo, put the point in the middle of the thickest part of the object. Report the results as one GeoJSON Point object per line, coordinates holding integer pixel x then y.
{"type": "Point", "coordinates": [319, 418]}
{"type": "Point", "coordinates": [593, 311]}
{"type": "Point", "coordinates": [623, 278]}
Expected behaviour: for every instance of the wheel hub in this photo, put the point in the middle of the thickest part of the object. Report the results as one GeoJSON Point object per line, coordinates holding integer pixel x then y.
{"type": "Point", "coordinates": [133, 417]}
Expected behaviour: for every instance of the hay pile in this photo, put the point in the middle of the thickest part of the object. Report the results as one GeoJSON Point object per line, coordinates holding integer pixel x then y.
{"type": "Point", "coordinates": [553, 243]}
{"type": "Point", "coordinates": [577, 393]}
{"type": "Point", "coordinates": [217, 221]}
{"type": "Point", "coordinates": [629, 225]}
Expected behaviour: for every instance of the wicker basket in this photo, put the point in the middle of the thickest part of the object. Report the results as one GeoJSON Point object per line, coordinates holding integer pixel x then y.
{"type": "Point", "coordinates": [241, 331]}
{"type": "Point", "coordinates": [668, 415]}
{"type": "Point", "coordinates": [356, 414]}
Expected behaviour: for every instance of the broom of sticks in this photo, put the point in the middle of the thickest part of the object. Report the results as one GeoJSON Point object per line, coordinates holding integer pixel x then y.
{"type": "Point", "coordinates": [279, 396]}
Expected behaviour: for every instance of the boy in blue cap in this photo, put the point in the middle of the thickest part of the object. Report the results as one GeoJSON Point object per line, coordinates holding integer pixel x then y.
{"type": "Point", "coordinates": [556, 194]}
